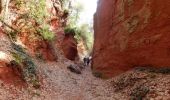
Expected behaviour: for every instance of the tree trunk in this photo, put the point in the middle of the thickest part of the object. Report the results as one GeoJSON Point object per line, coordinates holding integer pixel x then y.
{"type": "Point", "coordinates": [4, 12]}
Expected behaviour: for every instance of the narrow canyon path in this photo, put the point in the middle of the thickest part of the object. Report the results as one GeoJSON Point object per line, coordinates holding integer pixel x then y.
{"type": "Point", "coordinates": [65, 85]}
{"type": "Point", "coordinates": [58, 83]}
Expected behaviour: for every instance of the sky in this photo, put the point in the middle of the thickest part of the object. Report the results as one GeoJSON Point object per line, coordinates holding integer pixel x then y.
{"type": "Point", "coordinates": [89, 9]}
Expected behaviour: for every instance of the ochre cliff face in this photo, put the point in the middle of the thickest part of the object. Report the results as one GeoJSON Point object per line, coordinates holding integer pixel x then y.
{"type": "Point", "coordinates": [69, 47]}
{"type": "Point", "coordinates": [8, 74]}
{"type": "Point", "coordinates": [39, 48]}
{"type": "Point", "coordinates": [131, 33]}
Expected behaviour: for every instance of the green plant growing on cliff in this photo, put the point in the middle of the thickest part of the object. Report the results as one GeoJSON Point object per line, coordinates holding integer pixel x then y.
{"type": "Point", "coordinates": [87, 36]}
{"type": "Point", "coordinates": [26, 65]}
{"type": "Point", "coordinates": [74, 15]}
{"type": "Point", "coordinates": [69, 30]}
{"type": "Point", "coordinates": [19, 3]}
{"type": "Point", "coordinates": [46, 33]}
{"type": "Point", "coordinates": [37, 10]}
{"type": "Point", "coordinates": [83, 32]}
{"type": "Point", "coordinates": [36, 13]}
{"type": "Point", "coordinates": [39, 13]}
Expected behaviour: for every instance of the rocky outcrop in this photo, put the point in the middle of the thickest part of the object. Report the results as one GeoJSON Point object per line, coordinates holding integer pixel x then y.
{"type": "Point", "coordinates": [38, 47]}
{"type": "Point", "coordinates": [131, 33]}
{"type": "Point", "coordinates": [8, 73]}
{"type": "Point", "coordinates": [69, 47]}
{"type": "Point", "coordinates": [82, 51]}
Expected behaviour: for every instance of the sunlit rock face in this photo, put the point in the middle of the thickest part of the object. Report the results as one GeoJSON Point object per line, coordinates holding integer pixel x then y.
{"type": "Point", "coordinates": [41, 49]}
{"type": "Point", "coordinates": [131, 33]}
{"type": "Point", "coordinates": [82, 51]}
{"type": "Point", "coordinates": [4, 49]}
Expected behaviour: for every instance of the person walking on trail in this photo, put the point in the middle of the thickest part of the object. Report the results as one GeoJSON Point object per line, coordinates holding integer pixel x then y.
{"type": "Point", "coordinates": [86, 61]}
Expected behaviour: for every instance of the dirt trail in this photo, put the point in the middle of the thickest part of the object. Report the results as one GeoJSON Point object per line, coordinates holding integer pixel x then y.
{"type": "Point", "coordinates": [58, 83]}
{"type": "Point", "coordinates": [61, 84]}
{"type": "Point", "coordinates": [65, 85]}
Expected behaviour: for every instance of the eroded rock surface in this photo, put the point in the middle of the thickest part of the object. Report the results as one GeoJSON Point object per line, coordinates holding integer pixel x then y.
{"type": "Point", "coordinates": [69, 47]}
{"type": "Point", "coordinates": [130, 33]}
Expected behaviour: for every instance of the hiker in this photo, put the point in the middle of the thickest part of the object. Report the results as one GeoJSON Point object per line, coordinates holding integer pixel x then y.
{"type": "Point", "coordinates": [86, 61]}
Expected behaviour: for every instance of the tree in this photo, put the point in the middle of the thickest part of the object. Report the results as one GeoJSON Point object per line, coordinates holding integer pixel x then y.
{"type": "Point", "coordinates": [75, 11]}
{"type": "Point", "coordinates": [4, 10]}
{"type": "Point", "coordinates": [87, 35]}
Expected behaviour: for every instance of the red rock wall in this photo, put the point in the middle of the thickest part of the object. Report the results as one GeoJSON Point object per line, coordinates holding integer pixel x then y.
{"type": "Point", "coordinates": [8, 74]}
{"type": "Point", "coordinates": [40, 48]}
{"type": "Point", "coordinates": [69, 47]}
{"type": "Point", "coordinates": [130, 33]}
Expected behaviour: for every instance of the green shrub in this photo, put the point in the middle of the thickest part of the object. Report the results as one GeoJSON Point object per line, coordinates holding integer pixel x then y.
{"type": "Point", "coordinates": [46, 33]}
{"type": "Point", "coordinates": [25, 65]}
{"type": "Point", "coordinates": [71, 31]}
{"type": "Point", "coordinates": [19, 3]}
{"type": "Point", "coordinates": [37, 10]}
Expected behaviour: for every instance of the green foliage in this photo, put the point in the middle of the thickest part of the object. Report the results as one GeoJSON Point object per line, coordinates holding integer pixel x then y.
{"type": "Point", "coordinates": [69, 30]}
{"type": "Point", "coordinates": [39, 13]}
{"type": "Point", "coordinates": [74, 16]}
{"type": "Point", "coordinates": [37, 10]}
{"type": "Point", "coordinates": [16, 57]}
{"type": "Point", "coordinates": [46, 33]}
{"type": "Point", "coordinates": [19, 3]}
{"type": "Point", "coordinates": [82, 33]}
{"type": "Point", "coordinates": [26, 65]}
{"type": "Point", "coordinates": [87, 36]}
{"type": "Point", "coordinates": [66, 11]}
